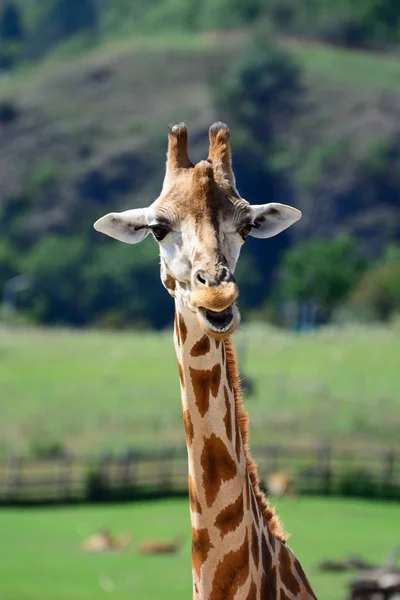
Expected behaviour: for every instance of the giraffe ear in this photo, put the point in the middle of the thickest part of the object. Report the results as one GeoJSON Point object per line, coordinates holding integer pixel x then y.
{"type": "Point", "coordinates": [130, 226]}
{"type": "Point", "coordinates": [270, 219]}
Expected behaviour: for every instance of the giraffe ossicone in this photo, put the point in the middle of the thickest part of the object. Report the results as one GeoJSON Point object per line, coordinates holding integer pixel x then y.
{"type": "Point", "coordinates": [200, 221]}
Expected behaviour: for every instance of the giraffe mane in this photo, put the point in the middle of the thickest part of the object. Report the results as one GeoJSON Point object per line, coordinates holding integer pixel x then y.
{"type": "Point", "coordinates": [271, 520]}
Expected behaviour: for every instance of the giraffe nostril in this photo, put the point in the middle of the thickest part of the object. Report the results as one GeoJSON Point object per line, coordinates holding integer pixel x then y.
{"type": "Point", "coordinates": [200, 278]}
{"type": "Point", "coordinates": [225, 274]}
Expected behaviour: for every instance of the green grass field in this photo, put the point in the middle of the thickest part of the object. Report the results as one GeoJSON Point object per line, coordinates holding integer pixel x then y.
{"type": "Point", "coordinates": [40, 556]}
{"type": "Point", "coordinates": [92, 390]}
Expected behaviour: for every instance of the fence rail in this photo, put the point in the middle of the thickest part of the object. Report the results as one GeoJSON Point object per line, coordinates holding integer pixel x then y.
{"type": "Point", "coordinates": [322, 469]}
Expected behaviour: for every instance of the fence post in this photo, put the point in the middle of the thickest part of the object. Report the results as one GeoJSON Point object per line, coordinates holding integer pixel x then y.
{"type": "Point", "coordinates": [165, 470]}
{"type": "Point", "coordinates": [64, 476]}
{"type": "Point", "coordinates": [13, 477]}
{"type": "Point", "coordinates": [387, 471]}
{"type": "Point", "coordinates": [128, 464]}
{"type": "Point", "coordinates": [324, 470]}
{"type": "Point", "coordinates": [103, 464]}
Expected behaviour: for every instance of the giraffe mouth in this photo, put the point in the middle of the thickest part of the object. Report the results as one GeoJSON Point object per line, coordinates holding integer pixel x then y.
{"type": "Point", "coordinates": [222, 323]}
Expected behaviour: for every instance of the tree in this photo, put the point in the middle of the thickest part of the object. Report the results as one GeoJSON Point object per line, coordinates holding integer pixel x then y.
{"type": "Point", "coordinates": [320, 271]}
{"type": "Point", "coordinates": [11, 27]}
{"type": "Point", "coordinates": [377, 294]}
{"type": "Point", "coordinates": [73, 16]}
{"type": "Point", "coordinates": [257, 97]}
{"type": "Point", "coordinates": [260, 91]}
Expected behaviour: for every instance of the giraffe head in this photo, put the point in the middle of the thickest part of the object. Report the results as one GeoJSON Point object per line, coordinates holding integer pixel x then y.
{"type": "Point", "coordinates": [200, 223]}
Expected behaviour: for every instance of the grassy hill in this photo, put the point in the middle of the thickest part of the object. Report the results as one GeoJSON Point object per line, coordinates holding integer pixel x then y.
{"type": "Point", "coordinates": [88, 130]}
{"type": "Point", "coordinates": [90, 390]}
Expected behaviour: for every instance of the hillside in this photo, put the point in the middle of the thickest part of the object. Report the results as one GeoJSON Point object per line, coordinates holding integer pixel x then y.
{"type": "Point", "coordinates": [90, 131]}
{"type": "Point", "coordinates": [86, 134]}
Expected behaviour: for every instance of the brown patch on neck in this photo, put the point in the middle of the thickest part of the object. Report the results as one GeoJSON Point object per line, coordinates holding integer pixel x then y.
{"type": "Point", "coordinates": [270, 519]}
{"type": "Point", "coordinates": [181, 375]}
{"type": "Point", "coordinates": [182, 328]}
{"type": "Point", "coordinates": [189, 430]}
{"type": "Point", "coordinates": [178, 337]}
{"type": "Point", "coordinates": [201, 347]}
{"type": "Point", "coordinates": [231, 573]}
{"type": "Point", "coordinates": [201, 546]}
{"type": "Point", "coordinates": [170, 283]}
{"type": "Point", "coordinates": [218, 466]}
{"type": "Point", "coordinates": [204, 382]}
{"type": "Point", "coordinates": [195, 505]}
{"type": "Point", "coordinates": [230, 517]}
{"type": "Point", "coordinates": [215, 379]}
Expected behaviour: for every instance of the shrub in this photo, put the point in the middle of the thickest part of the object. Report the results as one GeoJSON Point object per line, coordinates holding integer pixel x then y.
{"type": "Point", "coordinates": [358, 483]}
{"type": "Point", "coordinates": [11, 27]}
{"type": "Point", "coordinates": [8, 112]}
{"type": "Point", "coordinates": [377, 294]}
{"type": "Point", "coordinates": [43, 448]}
{"type": "Point", "coordinates": [97, 487]}
{"type": "Point", "coordinates": [321, 271]}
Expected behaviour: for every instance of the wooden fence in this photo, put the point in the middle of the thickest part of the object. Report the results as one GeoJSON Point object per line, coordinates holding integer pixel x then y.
{"type": "Point", "coordinates": [323, 470]}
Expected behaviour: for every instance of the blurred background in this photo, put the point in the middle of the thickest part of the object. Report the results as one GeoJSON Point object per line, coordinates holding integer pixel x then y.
{"type": "Point", "coordinates": [90, 416]}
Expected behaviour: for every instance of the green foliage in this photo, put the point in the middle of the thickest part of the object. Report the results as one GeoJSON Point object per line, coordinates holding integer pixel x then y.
{"type": "Point", "coordinates": [11, 35]}
{"type": "Point", "coordinates": [357, 483]}
{"type": "Point", "coordinates": [345, 178]}
{"type": "Point", "coordinates": [73, 16]}
{"type": "Point", "coordinates": [351, 23]}
{"type": "Point", "coordinates": [43, 24]}
{"type": "Point", "coordinates": [321, 271]}
{"type": "Point", "coordinates": [97, 487]}
{"type": "Point", "coordinates": [55, 262]}
{"type": "Point", "coordinates": [8, 262]}
{"type": "Point", "coordinates": [110, 284]}
{"type": "Point", "coordinates": [10, 52]}
{"type": "Point", "coordinates": [258, 97]}
{"type": "Point", "coordinates": [46, 447]}
{"type": "Point", "coordinates": [377, 294]}
{"type": "Point", "coordinates": [260, 90]}
{"type": "Point", "coordinates": [11, 27]}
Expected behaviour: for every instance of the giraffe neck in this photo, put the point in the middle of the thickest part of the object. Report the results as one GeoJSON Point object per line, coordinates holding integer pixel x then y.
{"type": "Point", "coordinates": [238, 548]}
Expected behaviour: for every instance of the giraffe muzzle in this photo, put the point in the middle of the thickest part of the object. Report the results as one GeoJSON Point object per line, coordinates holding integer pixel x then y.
{"type": "Point", "coordinates": [216, 310]}
{"type": "Point", "coordinates": [214, 298]}
{"type": "Point", "coordinates": [219, 324]}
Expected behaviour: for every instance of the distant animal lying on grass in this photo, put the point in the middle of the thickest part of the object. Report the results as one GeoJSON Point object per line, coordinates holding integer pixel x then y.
{"type": "Point", "coordinates": [161, 547]}
{"type": "Point", "coordinates": [352, 562]}
{"type": "Point", "coordinates": [280, 484]}
{"type": "Point", "coordinates": [103, 541]}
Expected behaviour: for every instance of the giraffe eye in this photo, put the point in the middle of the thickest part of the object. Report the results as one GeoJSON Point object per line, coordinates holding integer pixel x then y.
{"type": "Point", "coordinates": [160, 231]}
{"type": "Point", "coordinates": [245, 230]}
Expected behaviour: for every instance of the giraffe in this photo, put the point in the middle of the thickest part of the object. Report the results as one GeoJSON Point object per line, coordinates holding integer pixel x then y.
{"type": "Point", "coordinates": [200, 221]}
